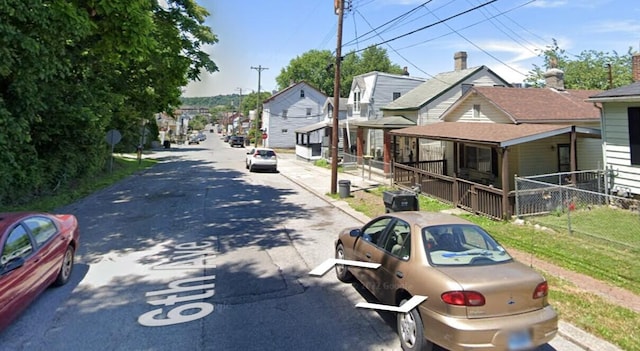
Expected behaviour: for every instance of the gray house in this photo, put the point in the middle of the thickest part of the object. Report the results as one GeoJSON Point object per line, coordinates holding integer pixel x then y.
{"type": "Point", "coordinates": [369, 93]}
{"type": "Point", "coordinates": [294, 107]}
{"type": "Point", "coordinates": [621, 134]}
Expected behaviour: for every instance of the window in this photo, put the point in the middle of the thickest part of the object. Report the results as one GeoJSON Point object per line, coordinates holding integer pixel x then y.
{"type": "Point", "coordinates": [477, 158]}
{"type": "Point", "coordinates": [284, 114]}
{"type": "Point", "coordinates": [301, 93]}
{"type": "Point", "coordinates": [285, 130]}
{"type": "Point", "coordinates": [308, 111]}
{"type": "Point", "coordinates": [42, 229]}
{"type": "Point", "coordinates": [373, 233]}
{"type": "Point", "coordinates": [398, 240]}
{"type": "Point", "coordinates": [476, 111]}
{"type": "Point", "coordinates": [356, 100]}
{"type": "Point", "coordinates": [634, 135]}
{"type": "Point", "coordinates": [396, 95]}
{"type": "Point", "coordinates": [17, 245]}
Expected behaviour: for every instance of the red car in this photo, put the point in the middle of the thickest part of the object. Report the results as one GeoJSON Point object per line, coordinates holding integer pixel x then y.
{"type": "Point", "coordinates": [37, 251]}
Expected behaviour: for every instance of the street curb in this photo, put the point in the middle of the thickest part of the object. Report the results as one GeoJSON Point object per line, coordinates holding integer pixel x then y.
{"type": "Point", "coordinates": [584, 339]}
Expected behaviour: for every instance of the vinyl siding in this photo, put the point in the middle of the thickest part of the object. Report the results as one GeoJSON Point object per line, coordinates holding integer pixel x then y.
{"type": "Point", "coordinates": [281, 130]}
{"type": "Point", "coordinates": [431, 112]}
{"type": "Point", "coordinates": [488, 113]}
{"type": "Point", "coordinates": [617, 149]}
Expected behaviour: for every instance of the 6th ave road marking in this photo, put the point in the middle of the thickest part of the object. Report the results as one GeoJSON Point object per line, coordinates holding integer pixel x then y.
{"type": "Point", "coordinates": [191, 255]}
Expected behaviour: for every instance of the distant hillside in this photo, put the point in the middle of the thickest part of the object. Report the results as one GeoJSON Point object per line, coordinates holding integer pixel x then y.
{"type": "Point", "coordinates": [210, 101]}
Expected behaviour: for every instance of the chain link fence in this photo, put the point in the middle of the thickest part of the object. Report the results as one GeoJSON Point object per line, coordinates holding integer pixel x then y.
{"type": "Point", "coordinates": [578, 203]}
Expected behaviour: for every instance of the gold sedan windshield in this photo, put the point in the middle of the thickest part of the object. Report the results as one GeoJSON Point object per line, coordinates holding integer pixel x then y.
{"type": "Point", "coordinates": [462, 245]}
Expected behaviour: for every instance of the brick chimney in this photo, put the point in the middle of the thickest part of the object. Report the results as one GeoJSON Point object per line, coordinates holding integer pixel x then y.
{"type": "Point", "coordinates": [554, 78]}
{"type": "Point", "coordinates": [460, 60]}
{"type": "Point", "coordinates": [635, 67]}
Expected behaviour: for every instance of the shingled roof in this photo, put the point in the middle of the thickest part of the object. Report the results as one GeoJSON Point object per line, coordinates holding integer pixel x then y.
{"type": "Point", "coordinates": [540, 105]}
{"type": "Point", "coordinates": [622, 93]}
{"type": "Point", "coordinates": [501, 135]}
{"type": "Point", "coordinates": [433, 88]}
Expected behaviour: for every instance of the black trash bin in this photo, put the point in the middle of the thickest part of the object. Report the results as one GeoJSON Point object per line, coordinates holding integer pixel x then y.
{"type": "Point", "coordinates": [344, 188]}
{"type": "Point", "coordinates": [166, 144]}
{"type": "Point", "coordinates": [400, 200]}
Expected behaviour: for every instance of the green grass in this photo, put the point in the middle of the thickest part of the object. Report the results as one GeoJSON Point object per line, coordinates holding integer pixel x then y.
{"type": "Point", "coordinates": [601, 259]}
{"type": "Point", "coordinates": [598, 220]}
{"type": "Point", "coordinates": [594, 314]}
{"type": "Point", "coordinates": [613, 260]}
{"type": "Point", "coordinates": [123, 166]}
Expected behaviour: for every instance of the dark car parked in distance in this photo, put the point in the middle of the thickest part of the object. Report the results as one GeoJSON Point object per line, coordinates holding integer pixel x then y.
{"type": "Point", "coordinates": [236, 140]}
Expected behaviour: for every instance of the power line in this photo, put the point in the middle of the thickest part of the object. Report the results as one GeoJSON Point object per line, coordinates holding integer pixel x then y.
{"type": "Point", "coordinates": [375, 30]}
{"type": "Point", "coordinates": [394, 50]}
{"type": "Point", "coordinates": [478, 47]}
{"type": "Point", "coordinates": [430, 25]}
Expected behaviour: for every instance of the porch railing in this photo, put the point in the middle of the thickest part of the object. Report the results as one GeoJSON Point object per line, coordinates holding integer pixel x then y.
{"type": "Point", "coordinates": [474, 197]}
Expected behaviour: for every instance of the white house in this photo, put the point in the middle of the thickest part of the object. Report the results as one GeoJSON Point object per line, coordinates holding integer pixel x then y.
{"type": "Point", "coordinates": [621, 134]}
{"type": "Point", "coordinates": [294, 107]}
{"type": "Point", "coordinates": [313, 141]}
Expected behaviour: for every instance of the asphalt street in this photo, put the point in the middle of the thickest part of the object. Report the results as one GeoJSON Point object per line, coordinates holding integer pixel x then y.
{"type": "Point", "coordinates": [197, 253]}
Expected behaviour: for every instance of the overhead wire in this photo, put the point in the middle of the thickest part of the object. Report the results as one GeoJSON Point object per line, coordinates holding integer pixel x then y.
{"type": "Point", "coordinates": [430, 25]}
{"type": "Point", "coordinates": [396, 52]}
{"type": "Point", "coordinates": [479, 48]}
{"type": "Point", "coordinates": [375, 30]}
{"type": "Point", "coordinates": [491, 20]}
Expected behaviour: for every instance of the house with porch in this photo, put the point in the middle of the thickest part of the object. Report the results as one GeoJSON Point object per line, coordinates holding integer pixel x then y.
{"type": "Point", "coordinates": [621, 134]}
{"type": "Point", "coordinates": [424, 105]}
{"type": "Point", "coordinates": [296, 106]}
{"type": "Point", "coordinates": [492, 134]}
{"type": "Point", "coordinates": [369, 93]}
{"type": "Point", "coordinates": [313, 141]}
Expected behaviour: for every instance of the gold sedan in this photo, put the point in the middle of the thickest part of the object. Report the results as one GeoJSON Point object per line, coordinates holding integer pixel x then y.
{"type": "Point", "coordinates": [478, 296]}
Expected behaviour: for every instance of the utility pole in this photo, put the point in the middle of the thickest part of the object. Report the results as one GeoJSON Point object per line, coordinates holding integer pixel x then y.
{"type": "Point", "coordinates": [339, 9]}
{"type": "Point", "coordinates": [259, 69]}
{"type": "Point", "coordinates": [240, 100]}
{"type": "Point", "coordinates": [239, 109]}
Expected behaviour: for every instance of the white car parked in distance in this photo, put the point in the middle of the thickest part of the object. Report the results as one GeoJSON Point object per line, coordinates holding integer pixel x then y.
{"type": "Point", "coordinates": [262, 158]}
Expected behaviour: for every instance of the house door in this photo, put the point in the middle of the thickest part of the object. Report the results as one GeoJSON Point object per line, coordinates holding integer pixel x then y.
{"type": "Point", "coordinates": [564, 158]}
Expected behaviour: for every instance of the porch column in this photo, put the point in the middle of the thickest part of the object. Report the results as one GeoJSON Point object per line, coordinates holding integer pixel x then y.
{"type": "Point", "coordinates": [506, 211]}
{"type": "Point", "coordinates": [345, 141]}
{"type": "Point", "coordinates": [387, 151]}
{"type": "Point", "coordinates": [359, 142]}
{"type": "Point", "coordinates": [572, 154]}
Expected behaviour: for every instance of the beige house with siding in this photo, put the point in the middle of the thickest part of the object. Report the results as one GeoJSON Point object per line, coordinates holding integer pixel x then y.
{"type": "Point", "coordinates": [491, 134]}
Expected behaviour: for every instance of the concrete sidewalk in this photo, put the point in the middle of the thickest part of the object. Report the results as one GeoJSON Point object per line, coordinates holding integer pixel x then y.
{"type": "Point", "coordinates": [318, 180]}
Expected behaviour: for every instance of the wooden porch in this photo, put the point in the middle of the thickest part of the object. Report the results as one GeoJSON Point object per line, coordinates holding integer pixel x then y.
{"type": "Point", "coordinates": [471, 196]}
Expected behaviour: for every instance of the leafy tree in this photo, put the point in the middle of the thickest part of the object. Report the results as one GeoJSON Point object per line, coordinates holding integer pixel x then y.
{"type": "Point", "coordinates": [312, 67]}
{"type": "Point", "coordinates": [72, 70]}
{"type": "Point", "coordinates": [250, 101]}
{"type": "Point", "coordinates": [589, 70]}
{"type": "Point", "coordinates": [316, 67]}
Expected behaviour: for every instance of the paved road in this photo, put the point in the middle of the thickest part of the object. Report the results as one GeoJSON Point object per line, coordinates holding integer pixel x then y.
{"type": "Point", "coordinates": [199, 254]}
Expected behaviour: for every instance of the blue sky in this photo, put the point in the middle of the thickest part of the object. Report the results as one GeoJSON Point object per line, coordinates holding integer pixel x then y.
{"type": "Point", "coordinates": [504, 35]}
